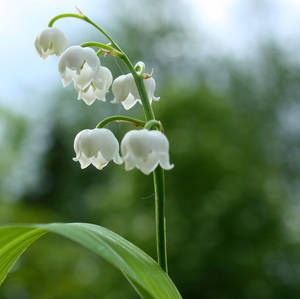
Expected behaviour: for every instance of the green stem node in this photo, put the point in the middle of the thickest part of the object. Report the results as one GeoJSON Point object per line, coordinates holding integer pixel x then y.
{"type": "Point", "coordinates": [140, 68]}
{"type": "Point", "coordinates": [153, 124]}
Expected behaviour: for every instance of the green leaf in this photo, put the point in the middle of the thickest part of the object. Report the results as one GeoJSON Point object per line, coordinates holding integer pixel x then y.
{"type": "Point", "coordinates": [144, 274]}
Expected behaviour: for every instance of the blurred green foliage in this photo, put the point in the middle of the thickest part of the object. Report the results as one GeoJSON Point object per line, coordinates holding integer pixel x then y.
{"type": "Point", "coordinates": [231, 232]}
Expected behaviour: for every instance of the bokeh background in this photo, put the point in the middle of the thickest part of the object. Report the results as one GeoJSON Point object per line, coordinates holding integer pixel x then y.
{"type": "Point", "coordinates": [228, 74]}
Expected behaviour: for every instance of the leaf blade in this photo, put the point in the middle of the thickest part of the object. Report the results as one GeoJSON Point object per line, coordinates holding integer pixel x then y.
{"type": "Point", "coordinates": [14, 241]}
{"type": "Point", "coordinates": [145, 275]}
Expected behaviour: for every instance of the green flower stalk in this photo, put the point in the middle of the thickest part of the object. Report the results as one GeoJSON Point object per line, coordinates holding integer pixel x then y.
{"type": "Point", "coordinates": [146, 149]}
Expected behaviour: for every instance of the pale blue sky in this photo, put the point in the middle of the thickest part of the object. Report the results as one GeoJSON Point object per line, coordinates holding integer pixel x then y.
{"type": "Point", "coordinates": [230, 26]}
{"type": "Point", "coordinates": [22, 70]}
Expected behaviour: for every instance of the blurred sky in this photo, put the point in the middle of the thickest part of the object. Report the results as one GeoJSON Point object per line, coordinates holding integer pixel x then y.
{"type": "Point", "coordinates": [232, 26]}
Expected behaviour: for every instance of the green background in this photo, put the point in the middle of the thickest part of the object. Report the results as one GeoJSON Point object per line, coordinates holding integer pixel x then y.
{"type": "Point", "coordinates": [232, 203]}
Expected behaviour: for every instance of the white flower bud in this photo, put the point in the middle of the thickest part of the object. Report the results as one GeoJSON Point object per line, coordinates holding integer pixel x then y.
{"type": "Point", "coordinates": [82, 66]}
{"type": "Point", "coordinates": [145, 150]}
{"type": "Point", "coordinates": [125, 90]}
{"type": "Point", "coordinates": [50, 41]}
{"type": "Point", "coordinates": [97, 146]}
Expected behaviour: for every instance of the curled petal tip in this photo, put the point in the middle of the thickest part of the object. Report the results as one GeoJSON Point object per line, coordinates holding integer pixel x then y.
{"type": "Point", "coordinates": [118, 160]}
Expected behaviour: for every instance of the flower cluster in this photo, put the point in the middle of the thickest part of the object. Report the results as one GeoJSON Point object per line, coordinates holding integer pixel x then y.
{"type": "Point", "coordinates": [82, 66]}
{"type": "Point", "coordinates": [142, 149]}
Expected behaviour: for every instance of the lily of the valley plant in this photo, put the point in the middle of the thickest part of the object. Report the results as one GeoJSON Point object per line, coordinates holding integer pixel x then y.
{"type": "Point", "coordinates": [146, 149]}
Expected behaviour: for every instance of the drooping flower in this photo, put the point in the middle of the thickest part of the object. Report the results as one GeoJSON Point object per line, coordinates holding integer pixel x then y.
{"type": "Point", "coordinates": [98, 88]}
{"type": "Point", "coordinates": [145, 150]}
{"type": "Point", "coordinates": [82, 66]}
{"type": "Point", "coordinates": [125, 90]}
{"type": "Point", "coordinates": [50, 41]}
{"type": "Point", "coordinates": [96, 146]}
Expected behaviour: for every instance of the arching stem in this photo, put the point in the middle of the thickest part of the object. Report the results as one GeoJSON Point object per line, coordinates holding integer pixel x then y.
{"type": "Point", "coordinates": [105, 48]}
{"type": "Point", "coordinates": [86, 19]}
{"type": "Point", "coordinates": [120, 118]}
{"type": "Point", "coordinates": [158, 174]}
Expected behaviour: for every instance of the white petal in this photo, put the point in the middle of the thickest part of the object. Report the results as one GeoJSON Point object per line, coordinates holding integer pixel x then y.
{"type": "Point", "coordinates": [164, 161]}
{"type": "Point", "coordinates": [50, 41]}
{"type": "Point", "coordinates": [102, 83]}
{"type": "Point", "coordinates": [91, 58]}
{"type": "Point", "coordinates": [117, 158]}
{"type": "Point", "coordinates": [77, 141]}
{"type": "Point", "coordinates": [145, 149]}
{"type": "Point", "coordinates": [45, 38]}
{"type": "Point", "coordinates": [84, 77]}
{"type": "Point", "coordinates": [126, 92]}
{"type": "Point", "coordinates": [120, 88]}
{"type": "Point", "coordinates": [148, 164]}
{"type": "Point", "coordinates": [135, 143]}
{"type": "Point", "coordinates": [99, 162]}
{"type": "Point", "coordinates": [82, 65]}
{"type": "Point", "coordinates": [150, 87]}
{"type": "Point", "coordinates": [84, 144]}
{"type": "Point", "coordinates": [74, 57]}
{"type": "Point", "coordinates": [100, 94]}
{"type": "Point", "coordinates": [97, 146]}
{"type": "Point", "coordinates": [129, 162]}
{"type": "Point", "coordinates": [83, 160]}
{"type": "Point", "coordinates": [129, 102]}
{"type": "Point", "coordinates": [133, 89]}
{"type": "Point", "coordinates": [46, 54]}
{"type": "Point", "coordinates": [88, 96]}
{"type": "Point", "coordinates": [103, 78]}
{"type": "Point", "coordinates": [59, 41]}
{"type": "Point", "coordinates": [106, 141]}
{"type": "Point", "coordinates": [67, 77]}
{"type": "Point", "coordinates": [71, 58]}
{"type": "Point", "coordinates": [38, 46]}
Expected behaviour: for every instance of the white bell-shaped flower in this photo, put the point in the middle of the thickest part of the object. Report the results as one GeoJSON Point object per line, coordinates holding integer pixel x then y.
{"type": "Point", "coordinates": [82, 66]}
{"type": "Point", "coordinates": [78, 64]}
{"type": "Point", "coordinates": [96, 146]}
{"type": "Point", "coordinates": [98, 88]}
{"type": "Point", "coordinates": [145, 150]}
{"type": "Point", "coordinates": [125, 90]}
{"type": "Point", "coordinates": [50, 41]}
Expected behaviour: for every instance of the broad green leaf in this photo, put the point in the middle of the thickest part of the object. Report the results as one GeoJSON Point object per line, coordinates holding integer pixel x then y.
{"type": "Point", "coordinates": [144, 274]}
